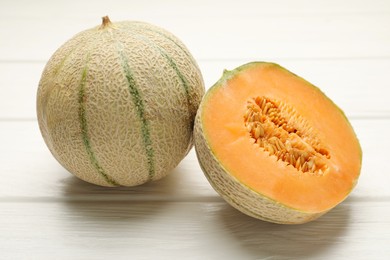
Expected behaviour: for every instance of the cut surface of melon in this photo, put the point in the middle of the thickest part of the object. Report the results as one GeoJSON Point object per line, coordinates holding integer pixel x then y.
{"type": "Point", "coordinates": [276, 135]}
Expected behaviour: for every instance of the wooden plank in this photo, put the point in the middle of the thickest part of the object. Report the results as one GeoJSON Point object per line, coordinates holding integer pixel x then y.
{"type": "Point", "coordinates": [352, 84]}
{"type": "Point", "coordinates": [19, 85]}
{"type": "Point", "coordinates": [30, 173]}
{"type": "Point", "coordinates": [252, 30]}
{"type": "Point", "coordinates": [47, 9]}
{"type": "Point", "coordinates": [176, 230]}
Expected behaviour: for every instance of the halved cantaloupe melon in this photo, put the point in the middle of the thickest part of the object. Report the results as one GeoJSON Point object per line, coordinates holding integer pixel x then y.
{"type": "Point", "coordinates": [274, 146]}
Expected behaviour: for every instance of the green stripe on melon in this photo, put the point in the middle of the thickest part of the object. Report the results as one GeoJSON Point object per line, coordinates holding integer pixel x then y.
{"type": "Point", "coordinates": [140, 94]}
{"type": "Point", "coordinates": [169, 39]}
{"type": "Point", "coordinates": [139, 104]}
{"type": "Point", "coordinates": [84, 130]}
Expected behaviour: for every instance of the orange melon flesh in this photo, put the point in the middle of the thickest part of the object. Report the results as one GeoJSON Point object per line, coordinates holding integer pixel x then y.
{"type": "Point", "coordinates": [230, 142]}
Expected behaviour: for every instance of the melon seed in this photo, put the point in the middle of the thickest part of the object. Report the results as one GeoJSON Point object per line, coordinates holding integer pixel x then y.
{"type": "Point", "coordinates": [289, 138]}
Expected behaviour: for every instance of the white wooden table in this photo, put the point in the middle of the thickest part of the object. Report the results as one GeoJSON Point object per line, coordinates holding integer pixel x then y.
{"type": "Point", "coordinates": [45, 213]}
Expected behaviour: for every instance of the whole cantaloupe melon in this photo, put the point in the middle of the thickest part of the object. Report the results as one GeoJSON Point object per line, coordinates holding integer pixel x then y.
{"type": "Point", "coordinates": [116, 103]}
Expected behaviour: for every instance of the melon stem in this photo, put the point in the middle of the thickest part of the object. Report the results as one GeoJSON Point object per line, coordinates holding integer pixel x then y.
{"type": "Point", "coordinates": [105, 22]}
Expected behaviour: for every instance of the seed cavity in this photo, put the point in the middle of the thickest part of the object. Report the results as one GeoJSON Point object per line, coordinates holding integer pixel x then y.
{"type": "Point", "coordinates": [279, 130]}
